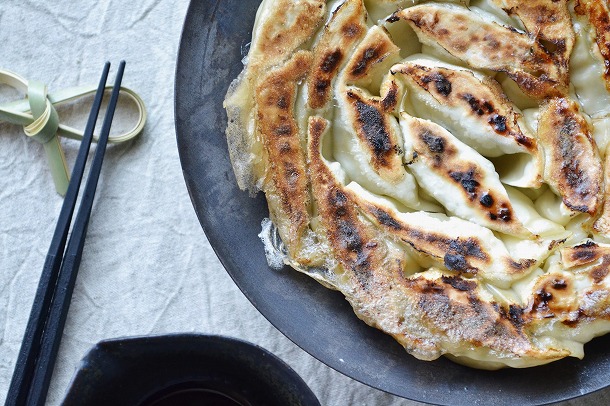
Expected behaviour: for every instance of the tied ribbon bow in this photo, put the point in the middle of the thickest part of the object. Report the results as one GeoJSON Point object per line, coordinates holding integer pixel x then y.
{"type": "Point", "coordinates": [40, 121]}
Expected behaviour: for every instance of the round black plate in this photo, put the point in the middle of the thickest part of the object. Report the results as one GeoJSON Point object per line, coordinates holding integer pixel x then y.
{"type": "Point", "coordinates": [319, 320]}
{"type": "Point", "coordinates": [143, 371]}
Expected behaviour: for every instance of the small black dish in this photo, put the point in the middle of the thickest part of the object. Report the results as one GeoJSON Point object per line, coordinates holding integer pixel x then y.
{"type": "Point", "coordinates": [185, 369]}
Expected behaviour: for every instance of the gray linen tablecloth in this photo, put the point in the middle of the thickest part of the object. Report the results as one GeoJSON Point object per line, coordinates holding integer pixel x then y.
{"type": "Point", "coordinates": [147, 268]}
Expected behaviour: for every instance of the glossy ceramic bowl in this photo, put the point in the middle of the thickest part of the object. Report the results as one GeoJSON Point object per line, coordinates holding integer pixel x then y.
{"type": "Point", "coordinates": [185, 369]}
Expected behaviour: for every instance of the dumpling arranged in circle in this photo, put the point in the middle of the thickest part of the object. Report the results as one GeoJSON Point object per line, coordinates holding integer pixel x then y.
{"type": "Point", "coordinates": [444, 165]}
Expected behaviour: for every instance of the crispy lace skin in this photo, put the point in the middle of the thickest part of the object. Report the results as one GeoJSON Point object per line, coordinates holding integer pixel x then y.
{"type": "Point", "coordinates": [442, 164]}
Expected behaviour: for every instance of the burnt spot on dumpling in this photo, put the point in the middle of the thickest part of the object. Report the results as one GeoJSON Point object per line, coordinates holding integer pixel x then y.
{"type": "Point", "coordinates": [320, 89]}
{"type": "Point", "coordinates": [470, 247]}
{"type": "Point", "coordinates": [518, 267]}
{"type": "Point", "coordinates": [554, 297]}
{"type": "Point", "coordinates": [285, 128]}
{"type": "Point", "coordinates": [435, 144]}
{"type": "Point", "coordinates": [486, 200]}
{"type": "Point", "coordinates": [591, 257]}
{"type": "Point", "coordinates": [331, 61]}
{"type": "Point", "coordinates": [582, 254]}
{"type": "Point", "coordinates": [573, 166]}
{"type": "Point", "coordinates": [542, 298]}
{"type": "Point", "coordinates": [478, 106]}
{"type": "Point", "coordinates": [468, 181]}
{"type": "Point", "coordinates": [347, 233]}
{"type": "Point", "coordinates": [366, 57]}
{"type": "Point", "coordinates": [390, 98]}
{"type": "Point", "coordinates": [393, 18]}
{"type": "Point", "coordinates": [456, 263]}
{"type": "Point", "coordinates": [498, 122]}
{"type": "Point", "coordinates": [385, 219]}
{"type": "Point", "coordinates": [458, 252]}
{"type": "Point", "coordinates": [515, 315]}
{"type": "Point", "coordinates": [443, 86]}
{"type": "Point", "coordinates": [352, 30]}
{"type": "Point", "coordinates": [459, 283]}
{"type": "Point", "coordinates": [372, 125]}
{"type": "Point", "coordinates": [599, 272]}
{"type": "Point", "coordinates": [374, 129]}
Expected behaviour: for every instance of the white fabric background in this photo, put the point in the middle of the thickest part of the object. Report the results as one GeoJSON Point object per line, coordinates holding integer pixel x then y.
{"type": "Point", "coordinates": [147, 267]}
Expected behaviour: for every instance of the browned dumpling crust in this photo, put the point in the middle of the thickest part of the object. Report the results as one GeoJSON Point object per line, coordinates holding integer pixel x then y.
{"type": "Point", "coordinates": [279, 132]}
{"type": "Point", "coordinates": [551, 23]}
{"type": "Point", "coordinates": [442, 164]}
{"type": "Point", "coordinates": [598, 15]}
{"type": "Point", "coordinates": [487, 45]}
{"type": "Point", "coordinates": [572, 166]}
{"type": "Point", "coordinates": [482, 100]}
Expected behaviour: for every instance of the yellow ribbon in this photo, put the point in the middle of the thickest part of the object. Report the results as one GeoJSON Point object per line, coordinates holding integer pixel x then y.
{"type": "Point", "coordinates": [40, 121]}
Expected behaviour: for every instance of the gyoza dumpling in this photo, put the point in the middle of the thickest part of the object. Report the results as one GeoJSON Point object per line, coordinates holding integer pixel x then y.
{"type": "Point", "coordinates": [346, 28]}
{"type": "Point", "coordinates": [366, 138]}
{"type": "Point", "coordinates": [589, 63]}
{"type": "Point", "coordinates": [484, 44]}
{"type": "Point", "coordinates": [281, 28]}
{"type": "Point", "coordinates": [550, 23]}
{"type": "Point", "coordinates": [573, 167]}
{"type": "Point", "coordinates": [475, 110]}
{"type": "Point", "coordinates": [458, 177]}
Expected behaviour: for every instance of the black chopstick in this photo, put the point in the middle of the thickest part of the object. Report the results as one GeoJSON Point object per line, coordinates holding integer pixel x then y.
{"type": "Point", "coordinates": [40, 344]}
{"type": "Point", "coordinates": [26, 360]}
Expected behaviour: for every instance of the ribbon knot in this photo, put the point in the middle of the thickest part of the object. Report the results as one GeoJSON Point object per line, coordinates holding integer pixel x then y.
{"type": "Point", "coordinates": [46, 120]}
{"type": "Point", "coordinates": [40, 121]}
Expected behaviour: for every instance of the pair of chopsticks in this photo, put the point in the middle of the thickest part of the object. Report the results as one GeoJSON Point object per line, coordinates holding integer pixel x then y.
{"type": "Point", "coordinates": [40, 345]}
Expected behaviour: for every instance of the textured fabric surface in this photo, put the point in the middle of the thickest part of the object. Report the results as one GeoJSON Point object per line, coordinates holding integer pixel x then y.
{"type": "Point", "coordinates": [147, 268]}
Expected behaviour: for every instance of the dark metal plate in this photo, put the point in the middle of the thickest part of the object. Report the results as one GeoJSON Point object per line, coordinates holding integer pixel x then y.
{"type": "Point", "coordinates": [319, 320]}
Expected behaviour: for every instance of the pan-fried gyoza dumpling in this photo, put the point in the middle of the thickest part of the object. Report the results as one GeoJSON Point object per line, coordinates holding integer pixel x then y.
{"type": "Point", "coordinates": [476, 110]}
{"type": "Point", "coordinates": [442, 164]}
